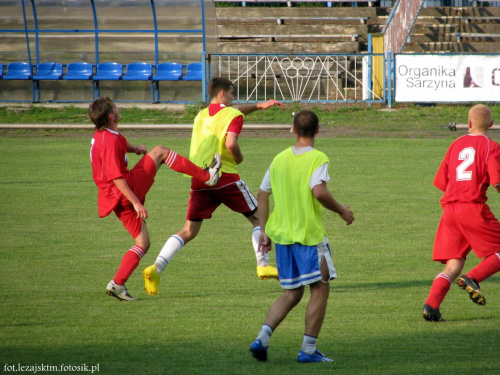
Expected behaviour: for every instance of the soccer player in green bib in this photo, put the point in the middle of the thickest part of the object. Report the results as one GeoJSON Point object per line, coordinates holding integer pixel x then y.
{"type": "Point", "coordinates": [297, 179]}
{"type": "Point", "coordinates": [216, 127]}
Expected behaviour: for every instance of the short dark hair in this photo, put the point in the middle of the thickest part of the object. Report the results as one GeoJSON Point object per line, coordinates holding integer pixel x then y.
{"type": "Point", "coordinates": [99, 111]}
{"type": "Point", "coordinates": [306, 123]}
{"type": "Point", "coordinates": [218, 84]}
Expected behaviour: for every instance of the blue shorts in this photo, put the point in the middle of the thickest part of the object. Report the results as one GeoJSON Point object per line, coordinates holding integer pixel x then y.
{"type": "Point", "coordinates": [299, 265]}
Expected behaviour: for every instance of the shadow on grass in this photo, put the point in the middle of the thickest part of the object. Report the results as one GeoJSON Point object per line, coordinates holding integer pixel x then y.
{"type": "Point", "coordinates": [340, 288]}
{"type": "Point", "coordinates": [437, 349]}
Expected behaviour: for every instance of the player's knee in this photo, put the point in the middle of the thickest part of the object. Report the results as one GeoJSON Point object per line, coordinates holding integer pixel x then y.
{"type": "Point", "coordinates": [143, 243]}
{"type": "Point", "coordinates": [187, 234]}
{"type": "Point", "coordinates": [294, 295]}
{"type": "Point", "coordinates": [160, 150]}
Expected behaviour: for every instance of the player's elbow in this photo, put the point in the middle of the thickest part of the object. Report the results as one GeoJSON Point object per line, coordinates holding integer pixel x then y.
{"type": "Point", "coordinates": [320, 191]}
{"type": "Point", "coordinates": [236, 154]}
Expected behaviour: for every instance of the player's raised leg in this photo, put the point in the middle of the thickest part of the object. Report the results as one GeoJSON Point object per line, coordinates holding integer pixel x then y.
{"type": "Point", "coordinates": [181, 164]}
{"type": "Point", "coordinates": [470, 281]}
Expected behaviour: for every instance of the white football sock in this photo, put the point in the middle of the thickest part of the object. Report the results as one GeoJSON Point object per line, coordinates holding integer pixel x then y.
{"type": "Point", "coordinates": [309, 344]}
{"type": "Point", "coordinates": [262, 260]}
{"type": "Point", "coordinates": [171, 247]}
{"type": "Point", "coordinates": [265, 334]}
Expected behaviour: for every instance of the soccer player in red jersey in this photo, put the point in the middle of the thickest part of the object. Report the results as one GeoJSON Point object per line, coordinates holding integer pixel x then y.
{"type": "Point", "coordinates": [470, 165]}
{"type": "Point", "coordinates": [123, 191]}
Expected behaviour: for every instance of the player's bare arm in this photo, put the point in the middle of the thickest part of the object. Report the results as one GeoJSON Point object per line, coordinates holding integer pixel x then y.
{"type": "Point", "coordinates": [233, 147]}
{"type": "Point", "coordinates": [138, 150]}
{"type": "Point", "coordinates": [325, 197]}
{"type": "Point", "coordinates": [263, 215]}
{"type": "Point", "coordinates": [497, 187]}
{"type": "Point", "coordinates": [249, 108]}
{"type": "Point", "coordinates": [122, 185]}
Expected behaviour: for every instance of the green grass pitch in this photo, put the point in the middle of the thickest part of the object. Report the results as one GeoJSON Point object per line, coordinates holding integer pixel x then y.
{"type": "Point", "coordinates": [56, 258]}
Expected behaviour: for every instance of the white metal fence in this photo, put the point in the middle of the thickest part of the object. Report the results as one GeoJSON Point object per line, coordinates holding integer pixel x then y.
{"type": "Point", "coordinates": [300, 78]}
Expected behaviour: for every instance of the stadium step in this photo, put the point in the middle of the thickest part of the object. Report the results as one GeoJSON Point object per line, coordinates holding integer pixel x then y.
{"type": "Point", "coordinates": [439, 30]}
{"type": "Point", "coordinates": [344, 30]}
{"type": "Point", "coordinates": [294, 30]}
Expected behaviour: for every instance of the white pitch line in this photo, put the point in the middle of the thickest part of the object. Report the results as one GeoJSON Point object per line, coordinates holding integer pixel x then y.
{"type": "Point", "coordinates": [135, 126]}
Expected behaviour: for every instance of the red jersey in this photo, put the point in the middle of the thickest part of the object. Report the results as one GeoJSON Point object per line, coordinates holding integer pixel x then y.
{"type": "Point", "coordinates": [226, 178]}
{"type": "Point", "coordinates": [470, 165]}
{"type": "Point", "coordinates": [108, 155]}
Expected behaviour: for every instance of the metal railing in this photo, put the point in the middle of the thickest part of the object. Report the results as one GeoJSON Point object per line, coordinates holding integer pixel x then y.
{"type": "Point", "coordinates": [290, 2]}
{"type": "Point", "coordinates": [354, 3]}
{"type": "Point", "coordinates": [312, 78]}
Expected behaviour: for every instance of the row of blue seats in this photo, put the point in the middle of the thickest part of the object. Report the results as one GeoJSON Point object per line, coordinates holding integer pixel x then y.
{"type": "Point", "coordinates": [138, 71]}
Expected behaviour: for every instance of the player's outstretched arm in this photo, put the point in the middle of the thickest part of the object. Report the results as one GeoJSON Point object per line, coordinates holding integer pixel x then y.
{"type": "Point", "coordinates": [249, 108]}
{"type": "Point", "coordinates": [323, 195]}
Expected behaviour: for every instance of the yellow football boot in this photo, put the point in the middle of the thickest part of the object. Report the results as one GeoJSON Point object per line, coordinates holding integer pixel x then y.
{"type": "Point", "coordinates": [268, 272]}
{"type": "Point", "coordinates": [151, 280]}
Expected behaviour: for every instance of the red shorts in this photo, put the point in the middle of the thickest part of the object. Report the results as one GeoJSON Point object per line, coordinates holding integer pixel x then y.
{"type": "Point", "coordinates": [140, 179]}
{"type": "Point", "coordinates": [465, 227]}
{"type": "Point", "coordinates": [236, 196]}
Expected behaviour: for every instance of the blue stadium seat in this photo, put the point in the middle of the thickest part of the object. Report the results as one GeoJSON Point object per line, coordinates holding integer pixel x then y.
{"type": "Point", "coordinates": [1, 71]}
{"type": "Point", "coordinates": [168, 71]}
{"type": "Point", "coordinates": [194, 72]}
{"type": "Point", "coordinates": [48, 70]}
{"type": "Point", "coordinates": [18, 70]}
{"type": "Point", "coordinates": [109, 71]}
{"type": "Point", "coordinates": [138, 71]}
{"type": "Point", "coordinates": [81, 71]}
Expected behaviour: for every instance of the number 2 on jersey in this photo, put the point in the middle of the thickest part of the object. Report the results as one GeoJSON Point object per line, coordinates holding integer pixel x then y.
{"type": "Point", "coordinates": [468, 155]}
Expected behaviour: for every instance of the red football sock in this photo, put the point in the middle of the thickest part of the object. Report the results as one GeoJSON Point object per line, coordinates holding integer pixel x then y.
{"type": "Point", "coordinates": [129, 263]}
{"type": "Point", "coordinates": [183, 165]}
{"type": "Point", "coordinates": [440, 286]}
{"type": "Point", "coordinates": [487, 267]}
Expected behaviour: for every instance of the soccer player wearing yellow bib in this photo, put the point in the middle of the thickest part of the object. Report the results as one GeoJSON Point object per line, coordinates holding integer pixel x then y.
{"type": "Point", "coordinates": [216, 127]}
{"type": "Point", "coordinates": [297, 178]}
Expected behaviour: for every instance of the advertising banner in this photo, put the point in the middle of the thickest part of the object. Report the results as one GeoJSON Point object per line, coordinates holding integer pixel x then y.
{"type": "Point", "coordinates": [442, 78]}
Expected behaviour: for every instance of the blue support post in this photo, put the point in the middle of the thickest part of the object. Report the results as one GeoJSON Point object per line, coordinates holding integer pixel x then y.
{"type": "Point", "coordinates": [28, 48]}
{"type": "Point", "coordinates": [96, 52]}
{"type": "Point", "coordinates": [155, 87]}
{"type": "Point", "coordinates": [204, 94]}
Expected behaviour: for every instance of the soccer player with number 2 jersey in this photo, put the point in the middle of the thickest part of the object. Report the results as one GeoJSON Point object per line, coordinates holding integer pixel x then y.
{"type": "Point", "coordinates": [470, 166]}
